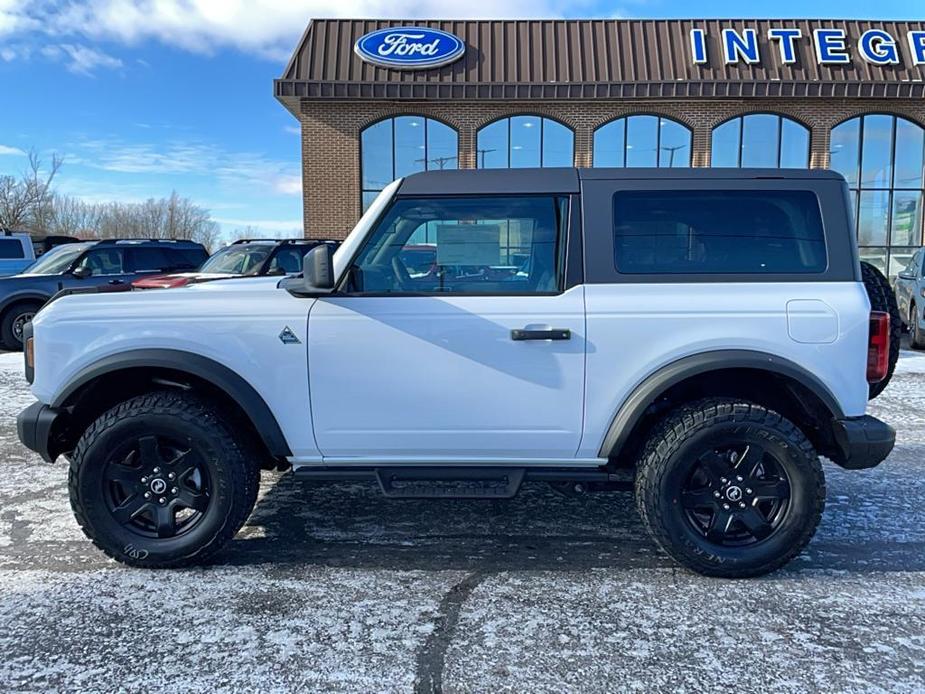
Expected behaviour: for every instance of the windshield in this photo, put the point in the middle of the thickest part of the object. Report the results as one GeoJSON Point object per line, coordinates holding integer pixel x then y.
{"type": "Point", "coordinates": [57, 260]}
{"type": "Point", "coordinates": [244, 259]}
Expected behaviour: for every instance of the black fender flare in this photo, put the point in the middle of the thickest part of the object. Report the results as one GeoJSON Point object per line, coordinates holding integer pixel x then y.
{"type": "Point", "coordinates": [220, 376]}
{"type": "Point", "coordinates": [645, 393]}
{"type": "Point", "coordinates": [23, 296]}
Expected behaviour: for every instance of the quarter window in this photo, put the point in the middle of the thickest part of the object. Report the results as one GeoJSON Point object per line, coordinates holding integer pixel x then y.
{"type": "Point", "coordinates": [401, 146]}
{"type": "Point", "coordinates": [882, 157]}
{"type": "Point", "coordinates": [470, 245]}
{"type": "Point", "coordinates": [642, 141]}
{"type": "Point", "coordinates": [525, 142]}
{"type": "Point", "coordinates": [718, 232]}
{"type": "Point", "coordinates": [761, 140]}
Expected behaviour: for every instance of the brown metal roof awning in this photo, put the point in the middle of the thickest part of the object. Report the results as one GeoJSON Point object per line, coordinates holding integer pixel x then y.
{"type": "Point", "coordinates": [596, 59]}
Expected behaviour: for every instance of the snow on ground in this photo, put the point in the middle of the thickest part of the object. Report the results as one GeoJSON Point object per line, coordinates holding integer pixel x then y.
{"type": "Point", "coordinates": [332, 587]}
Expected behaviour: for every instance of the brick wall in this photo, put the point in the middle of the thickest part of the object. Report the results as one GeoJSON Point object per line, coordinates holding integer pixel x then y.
{"type": "Point", "coordinates": [331, 151]}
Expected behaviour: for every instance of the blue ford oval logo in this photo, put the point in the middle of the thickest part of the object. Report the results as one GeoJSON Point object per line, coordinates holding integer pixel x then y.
{"type": "Point", "coordinates": [409, 48]}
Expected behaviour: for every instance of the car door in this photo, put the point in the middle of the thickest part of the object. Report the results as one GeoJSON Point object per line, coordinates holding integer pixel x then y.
{"type": "Point", "coordinates": [474, 356]}
{"type": "Point", "coordinates": [107, 266]}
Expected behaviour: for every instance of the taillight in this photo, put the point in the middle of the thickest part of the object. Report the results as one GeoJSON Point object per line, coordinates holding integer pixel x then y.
{"type": "Point", "coordinates": [878, 346]}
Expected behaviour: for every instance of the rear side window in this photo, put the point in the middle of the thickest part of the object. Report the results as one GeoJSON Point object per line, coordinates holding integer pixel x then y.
{"type": "Point", "coordinates": [149, 260]}
{"type": "Point", "coordinates": [718, 232]}
{"type": "Point", "coordinates": [288, 260]}
{"type": "Point", "coordinates": [189, 258]}
{"type": "Point", "coordinates": [11, 248]}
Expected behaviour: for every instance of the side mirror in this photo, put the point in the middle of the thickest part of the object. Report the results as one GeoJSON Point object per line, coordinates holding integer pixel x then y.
{"type": "Point", "coordinates": [906, 275]}
{"type": "Point", "coordinates": [82, 272]}
{"type": "Point", "coordinates": [317, 273]}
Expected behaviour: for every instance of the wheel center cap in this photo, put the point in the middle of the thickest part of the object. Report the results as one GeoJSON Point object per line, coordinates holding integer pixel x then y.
{"type": "Point", "coordinates": [159, 486]}
{"type": "Point", "coordinates": [734, 493]}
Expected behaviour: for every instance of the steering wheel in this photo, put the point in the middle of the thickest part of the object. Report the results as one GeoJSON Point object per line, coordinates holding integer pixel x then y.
{"type": "Point", "coordinates": [402, 276]}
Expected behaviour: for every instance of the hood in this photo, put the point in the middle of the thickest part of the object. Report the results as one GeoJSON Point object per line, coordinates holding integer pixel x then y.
{"type": "Point", "coordinates": [11, 282]}
{"type": "Point", "coordinates": [187, 304]}
{"type": "Point", "coordinates": [178, 279]}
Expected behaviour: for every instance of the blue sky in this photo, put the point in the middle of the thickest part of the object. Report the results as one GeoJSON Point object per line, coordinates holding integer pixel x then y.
{"type": "Point", "coordinates": [142, 97]}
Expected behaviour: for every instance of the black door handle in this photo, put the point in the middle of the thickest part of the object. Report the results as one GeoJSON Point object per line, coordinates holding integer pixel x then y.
{"type": "Point", "coordinates": [551, 334]}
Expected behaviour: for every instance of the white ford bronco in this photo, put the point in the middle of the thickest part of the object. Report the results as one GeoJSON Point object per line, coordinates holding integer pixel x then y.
{"type": "Point", "coordinates": [699, 335]}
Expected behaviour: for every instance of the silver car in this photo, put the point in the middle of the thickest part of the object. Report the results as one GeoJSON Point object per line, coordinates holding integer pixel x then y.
{"type": "Point", "coordinates": [910, 295]}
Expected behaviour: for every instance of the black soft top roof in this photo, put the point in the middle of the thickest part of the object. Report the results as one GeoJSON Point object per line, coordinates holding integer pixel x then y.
{"type": "Point", "coordinates": [568, 180]}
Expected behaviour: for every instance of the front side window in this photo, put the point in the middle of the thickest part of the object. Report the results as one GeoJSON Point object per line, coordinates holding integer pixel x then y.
{"type": "Point", "coordinates": [397, 147]}
{"type": "Point", "coordinates": [718, 232]}
{"type": "Point", "coordinates": [465, 245]}
{"type": "Point", "coordinates": [525, 142]}
{"type": "Point", "coordinates": [103, 261]}
{"type": "Point", "coordinates": [288, 260]}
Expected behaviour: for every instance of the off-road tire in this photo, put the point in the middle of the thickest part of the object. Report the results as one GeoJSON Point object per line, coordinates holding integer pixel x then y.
{"type": "Point", "coordinates": [666, 458]}
{"type": "Point", "coordinates": [8, 339]}
{"type": "Point", "coordinates": [229, 456]}
{"type": "Point", "coordinates": [882, 298]}
{"type": "Point", "coordinates": [916, 337]}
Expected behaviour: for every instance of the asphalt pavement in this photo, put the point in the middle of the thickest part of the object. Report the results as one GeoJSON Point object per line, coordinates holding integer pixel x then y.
{"type": "Point", "coordinates": [330, 587]}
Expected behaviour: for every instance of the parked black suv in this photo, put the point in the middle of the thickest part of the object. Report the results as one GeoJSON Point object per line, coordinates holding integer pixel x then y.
{"type": "Point", "coordinates": [86, 264]}
{"type": "Point", "coordinates": [243, 258]}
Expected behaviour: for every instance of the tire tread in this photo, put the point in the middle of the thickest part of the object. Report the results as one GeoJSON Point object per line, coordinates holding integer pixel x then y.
{"type": "Point", "coordinates": [196, 411]}
{"type": "Point", "coordinates": [676, 428]}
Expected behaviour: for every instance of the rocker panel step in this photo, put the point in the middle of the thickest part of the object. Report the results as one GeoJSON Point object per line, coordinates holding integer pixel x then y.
{"type": "Point", "coordinates": [450, 483]}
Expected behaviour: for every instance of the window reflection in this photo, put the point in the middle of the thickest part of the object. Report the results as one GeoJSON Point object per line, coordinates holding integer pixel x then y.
{"type": "Point", "coordinates": [401, 146]}
{"type": "Point", "coordinates": [881, 156]}
{"type": "Point", "coordinates": [650, 141]}
{"type": "Point", "coordinates": [523, 142]}
{"type": "Point", "coordinates": [763, 140]}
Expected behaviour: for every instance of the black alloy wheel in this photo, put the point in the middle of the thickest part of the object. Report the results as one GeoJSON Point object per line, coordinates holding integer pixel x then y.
{"type": "Point", "coordinates": [156, 487]}
{"type": "Point", "coordinates": [736, 495]}
{"type": "Point", "coordinates": [19, 323]}
{"type": "Point", "coordinates": [163, 479]}
{"type": "Point", "coordinates": [729, 488]}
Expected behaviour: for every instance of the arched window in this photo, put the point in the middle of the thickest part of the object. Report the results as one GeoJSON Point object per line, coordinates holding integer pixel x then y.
{"type": "Point", "coordinates": [882, 157]}
{"type": "Point", "coordinates": [403, 145]}
{"type": "Point", "coordinates": [525, 141]}
{"type": "Point", "coordinates": [642, 141]}
{"type": "Point", "coordinates": [762, 140]}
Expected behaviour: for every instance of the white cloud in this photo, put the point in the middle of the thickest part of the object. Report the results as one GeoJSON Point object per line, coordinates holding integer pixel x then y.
{"type": "Point", "coordinates": [14, 17]}
{"type": "Point", "coordinates": [81, 60]}
{"type": "Point", "coordinates": [288, 185]}
{"type": "Point", "coordinates": [293, 129]}
{"type": "Point", "coordinates": [11, 151]}
{"type": "Point", "coordinates": [192, 158]}
{"type": "Point", "coordinates": [269, 28]}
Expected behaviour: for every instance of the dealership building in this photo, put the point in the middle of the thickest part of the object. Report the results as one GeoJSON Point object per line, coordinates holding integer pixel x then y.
{"type": "Point", "coordinates": [378, 99]}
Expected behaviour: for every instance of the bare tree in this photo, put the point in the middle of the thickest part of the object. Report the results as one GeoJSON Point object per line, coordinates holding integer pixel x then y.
{"type": "Point", "coordinates": [23, 197]}
{"type": "Point", "coordinates": [28, 202]}
{"type": "Point", "coordinates": [246, 232]}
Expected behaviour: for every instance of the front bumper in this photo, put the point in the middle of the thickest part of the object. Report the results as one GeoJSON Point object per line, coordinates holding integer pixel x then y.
{"type": "Point", "coordinates": [863, 442]}
{"type": "Point", "coordinates": [34, 426]}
